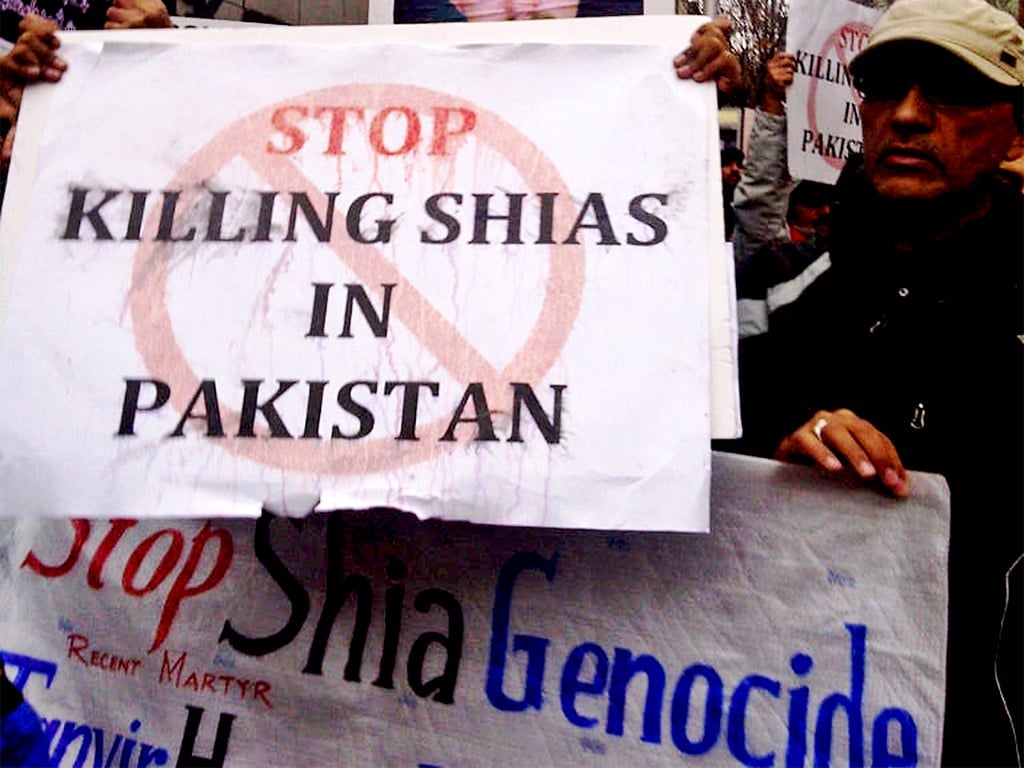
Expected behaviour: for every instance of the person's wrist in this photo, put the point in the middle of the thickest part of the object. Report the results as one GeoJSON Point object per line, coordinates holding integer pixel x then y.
{"type": "Point", "coordinates": [772, 104]}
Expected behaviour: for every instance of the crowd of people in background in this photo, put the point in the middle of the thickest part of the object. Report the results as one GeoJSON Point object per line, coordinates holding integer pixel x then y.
{"type": "Point", "coordinates": [882, 319]}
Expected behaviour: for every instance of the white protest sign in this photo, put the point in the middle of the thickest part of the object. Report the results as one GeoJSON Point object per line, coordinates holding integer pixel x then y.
{"type": "Point", "coordinates": [194, 22]}
{"type": "Point", "coordinates": [366, 275]}
{"type": "Point", "coordinates": [809, 629]}
{"type": "Point", "coordinates": [823, 115]}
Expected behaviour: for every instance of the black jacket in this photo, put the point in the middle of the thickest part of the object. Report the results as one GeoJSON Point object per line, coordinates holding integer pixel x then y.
{"type": "Point", "coordinates": [927, 345]}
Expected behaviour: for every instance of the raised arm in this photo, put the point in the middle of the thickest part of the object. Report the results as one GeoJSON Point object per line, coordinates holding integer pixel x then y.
{"type": "Point", "coordinates": [762, 195]}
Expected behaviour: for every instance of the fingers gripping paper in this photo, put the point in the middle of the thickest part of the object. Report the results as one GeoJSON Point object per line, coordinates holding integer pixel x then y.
{"type": "Point", "coordinates": [809, 629]}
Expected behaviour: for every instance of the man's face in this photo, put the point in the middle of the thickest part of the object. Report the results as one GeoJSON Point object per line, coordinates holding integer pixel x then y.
{"type": "Point", "coordinates": [731, 173]}
{"type": "Point", "coordinates": [811, 219]}
{"type": "Point", "coordinates": [932, 124]}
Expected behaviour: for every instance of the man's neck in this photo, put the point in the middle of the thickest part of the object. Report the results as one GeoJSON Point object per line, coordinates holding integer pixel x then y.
{"type": "Point", "coordinates": [911, 224]}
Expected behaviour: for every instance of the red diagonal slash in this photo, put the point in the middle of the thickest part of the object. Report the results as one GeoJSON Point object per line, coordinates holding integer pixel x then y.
{"type": "Point", "coordinates": [164, 358]}
{"type": "Point", "coordinates": [859, 29]}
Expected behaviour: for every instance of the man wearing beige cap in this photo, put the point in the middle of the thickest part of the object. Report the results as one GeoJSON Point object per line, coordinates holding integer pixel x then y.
{"type": "Point", "coordinates": [904, 345]}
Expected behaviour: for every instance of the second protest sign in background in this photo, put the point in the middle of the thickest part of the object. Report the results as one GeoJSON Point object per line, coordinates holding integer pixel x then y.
{"type": "Point", "coordinates": [824, 107]}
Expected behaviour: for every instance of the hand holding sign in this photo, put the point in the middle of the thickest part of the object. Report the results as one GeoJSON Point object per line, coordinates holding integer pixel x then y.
{"type": "Point", "coordinates": [137, 14]}
{"type": "Point", "coordinates": [709, 58]}
{"type": "Point", "coordinates": [33, 57]}
{"type": "Point", "coordinates": [778, 76]}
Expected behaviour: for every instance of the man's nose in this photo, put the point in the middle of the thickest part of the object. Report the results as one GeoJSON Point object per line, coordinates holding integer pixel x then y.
{"type": "Point", "coordinates": [914, 111]}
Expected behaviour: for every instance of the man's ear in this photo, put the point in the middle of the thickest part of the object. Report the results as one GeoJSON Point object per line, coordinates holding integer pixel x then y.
{"type": "Point", "coordinates": [1014, 162]}
{"type": "Point", "coordinates": [1016, 150]}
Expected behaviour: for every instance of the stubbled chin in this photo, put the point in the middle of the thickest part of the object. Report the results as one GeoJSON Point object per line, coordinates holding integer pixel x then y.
{"type": "Point", "coordinates": [906, 186]}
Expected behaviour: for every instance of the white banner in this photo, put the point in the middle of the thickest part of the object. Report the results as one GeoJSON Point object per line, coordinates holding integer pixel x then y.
{"type": "Point", "coordinates": [457, 281]}
{"type": "Point", "coordinates": [809, 629]}
{"type": "Point", "coordinates": [823, 114]}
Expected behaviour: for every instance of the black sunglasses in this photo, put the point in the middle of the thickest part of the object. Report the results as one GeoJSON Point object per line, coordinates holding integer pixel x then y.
{"type": "Point", "coordinates": [939, 86]}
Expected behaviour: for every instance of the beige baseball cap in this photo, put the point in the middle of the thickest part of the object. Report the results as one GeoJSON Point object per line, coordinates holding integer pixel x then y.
{"type": "Point", "coordinates": [988, 39]}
